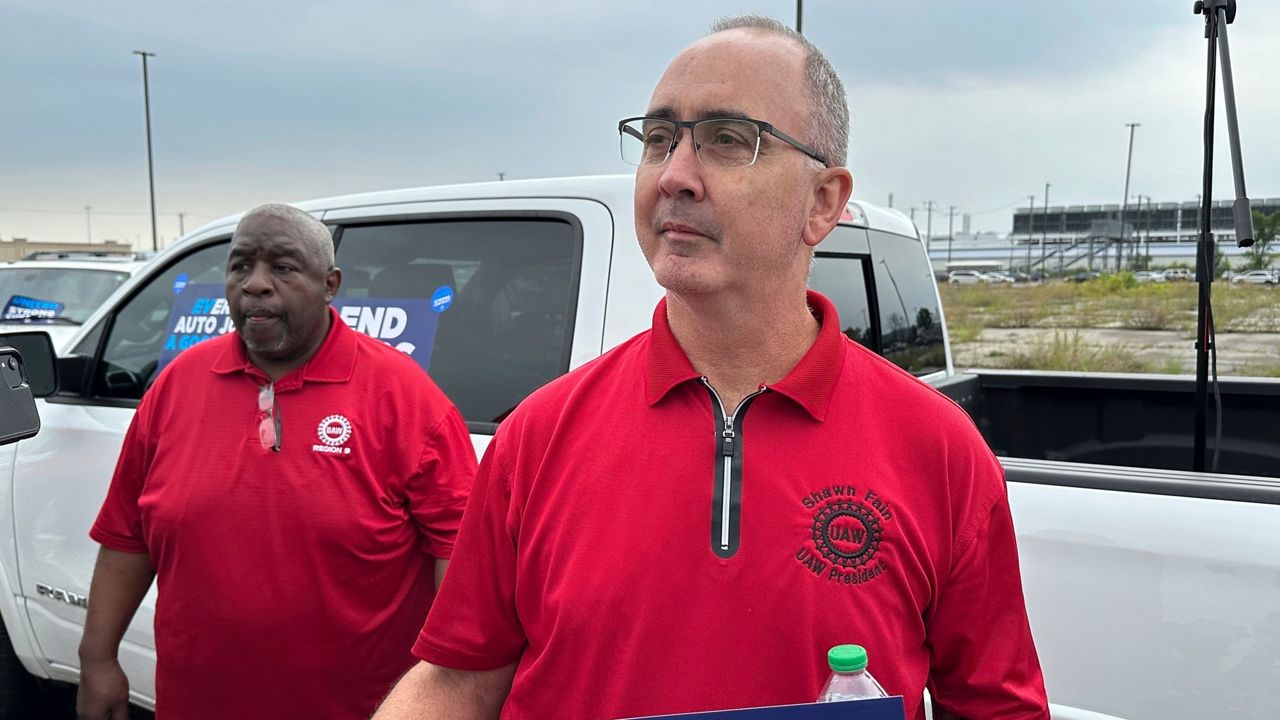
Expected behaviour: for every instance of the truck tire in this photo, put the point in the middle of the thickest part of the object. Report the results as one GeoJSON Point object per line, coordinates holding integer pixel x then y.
{"type": "Point", "coordinates": [20, 694]}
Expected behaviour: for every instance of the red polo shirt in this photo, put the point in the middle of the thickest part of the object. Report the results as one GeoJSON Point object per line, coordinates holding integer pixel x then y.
{"type": "Point", "coordinates": [291, 584]}
{"type": "Point", "coordinates": [863, 507]}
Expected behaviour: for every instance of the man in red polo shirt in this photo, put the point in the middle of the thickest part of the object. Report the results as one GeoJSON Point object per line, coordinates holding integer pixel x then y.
{"type": "Point", "coordinates": [294, 488]}
{"type": "Point", "coordinates": [689, 522]}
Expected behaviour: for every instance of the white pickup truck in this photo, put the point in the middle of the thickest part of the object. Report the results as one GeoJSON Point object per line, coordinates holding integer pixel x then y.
{"type": "Point", "coordinates": [1153, 592]}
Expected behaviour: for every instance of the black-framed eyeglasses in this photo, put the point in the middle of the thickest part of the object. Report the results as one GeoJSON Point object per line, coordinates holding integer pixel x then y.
{"type": "Point", "coordinates": [721, 142]}
{"type": "Point", "coordinates": [268, 418]}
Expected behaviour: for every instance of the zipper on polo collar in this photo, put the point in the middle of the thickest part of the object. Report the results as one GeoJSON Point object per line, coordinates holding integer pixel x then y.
{"type": "Point", "coordinates": [726, 510]}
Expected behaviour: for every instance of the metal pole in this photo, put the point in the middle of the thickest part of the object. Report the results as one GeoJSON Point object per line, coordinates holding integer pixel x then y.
{"type": "Point", "coordinates": [951, 221]}
{"type": "Point", "coordinates": [1141, 218]}
{"type": "Point", "coordinates": [88, 225]}
{"type": "Point", "coordinates": [151, 176]}
{"type": "Point", "coordinates": [1044, 238]}
{"type": "Point", "coordinates": [928, 223]}
{"type": "Point", "coordinates": [1031, 216]}
{"type": "Point", "coordinates": [1241, 212]}
{"type": "Point", "coordinates": [891, 200]}
{"type": "Point", "coordinates": [800, 16]}
{"type": "Point", "coordinates": [182, 225]}
{"type": "Point", "coordinates": [1204, 255]}
{"type": "Point", "coordinates": [1125, 206]}
{"type": "Point", "coordinates": [1146, 236]}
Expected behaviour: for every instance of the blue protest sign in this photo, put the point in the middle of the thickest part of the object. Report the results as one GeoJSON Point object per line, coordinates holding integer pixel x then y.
{"type": "Point", "coordinates": [21, 307]}
{"type": "Point", "coordinates": [200, 312]}
{"type": "Point", "coordinates": [406, 324]}
{"type": "Point", "coordinates": [875, 709]}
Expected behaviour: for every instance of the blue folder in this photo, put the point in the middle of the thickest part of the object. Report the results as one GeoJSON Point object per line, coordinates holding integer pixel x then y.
{"type": "Point", "coordinates": [878, 709]}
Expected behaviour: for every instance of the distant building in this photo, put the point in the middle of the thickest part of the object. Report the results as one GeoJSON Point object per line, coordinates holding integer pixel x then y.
{"type": "Point", "coordinates": [1079, 237]}
{"type": "Point", "coordinates": [1147, 222]}
{"type": "Point", "coordinates": [19, 248]}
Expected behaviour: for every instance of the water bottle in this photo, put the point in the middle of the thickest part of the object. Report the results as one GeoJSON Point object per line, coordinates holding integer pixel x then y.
{"type": "Point", "coordinates": [849, 677]}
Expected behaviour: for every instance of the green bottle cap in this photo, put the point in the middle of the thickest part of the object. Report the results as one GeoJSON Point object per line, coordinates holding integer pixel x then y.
{"type": "Point", "coordinates": [847, 658]}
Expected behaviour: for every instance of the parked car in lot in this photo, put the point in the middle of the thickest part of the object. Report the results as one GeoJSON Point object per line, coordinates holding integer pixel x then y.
{"type": "Point", "coordinates": [1178, 274]}
{"type": "Point", "coordinates": [57, 296]}
{"type": "Point", "coordinates": [1152, 591]}
{"type": "Point", "coordinates": [1257, 277]}
{"type": "Point", "coordinates": [998, 277]}
{"type": "Point", "coordinates": [1146, 276]}
{"type": "Point", "coordinates": [965, 277]}
{"type": "Point", "coordinates": [1083, 276]}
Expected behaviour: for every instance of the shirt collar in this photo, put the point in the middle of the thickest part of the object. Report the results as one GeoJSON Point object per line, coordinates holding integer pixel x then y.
{"type": "Point", "coordinates": [333, 362]}
{"type": "Point", "coordinates": [809, 384]}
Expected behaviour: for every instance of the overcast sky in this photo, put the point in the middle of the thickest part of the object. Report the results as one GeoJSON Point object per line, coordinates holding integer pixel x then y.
{"type": "Point", "coordinates": [972, 104]}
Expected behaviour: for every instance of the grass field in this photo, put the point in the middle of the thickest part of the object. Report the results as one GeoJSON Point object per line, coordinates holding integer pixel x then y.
{"type": "Point", "coordinates": [1077, 326]}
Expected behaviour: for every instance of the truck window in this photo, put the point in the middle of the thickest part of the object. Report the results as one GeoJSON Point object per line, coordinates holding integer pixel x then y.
{"type": "Point", "coordinates": [139, 329]}
{"type": "Point", "coordinates": [500, 294]}
{"type": "Point", "coordinates": [910, 319]}
{"type": "Point", "coordinates": [842, 278]}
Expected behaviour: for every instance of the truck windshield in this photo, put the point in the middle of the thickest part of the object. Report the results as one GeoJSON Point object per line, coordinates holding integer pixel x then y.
{"type": "Point", "coordinates": [52, 295]}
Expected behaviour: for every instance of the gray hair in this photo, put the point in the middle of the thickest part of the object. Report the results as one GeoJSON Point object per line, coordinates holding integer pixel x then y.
{"type": "Point", "coordinates": [310, 229]}
{"type": "Point", "coordinates": [828, 106]}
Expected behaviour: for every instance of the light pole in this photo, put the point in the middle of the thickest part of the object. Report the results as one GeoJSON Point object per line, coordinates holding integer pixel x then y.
{"type": "Point", "coordinates": [1044, 238]}
{"type": "Point", "coordinates": [800, 16]}
{"type": "Point", "coordinates": [1125, 205]}
{"type": "Point", "coordinates": [151, 176]}
{"type": "Point", "coordinates": [1137, 233]}
{"type": "Point", "coordinates": [88, 225]}
{"type": "Point", "coordinates": [1146, 225]}
{"type": "Point", "coordinates": [951, 221]}
{"type": "Point", "coordinates": [928, 223]}
{"type": "Point", "coordinates": [1031, 216]}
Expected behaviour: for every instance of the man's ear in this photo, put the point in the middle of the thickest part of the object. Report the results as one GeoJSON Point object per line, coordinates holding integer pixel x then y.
{"type": "Point", "coordinates": [332, 281]}
{"type": "Point", "coordinates": [831, 191]}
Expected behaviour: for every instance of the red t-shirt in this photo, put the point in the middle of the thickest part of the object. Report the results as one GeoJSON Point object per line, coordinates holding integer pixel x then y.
{"type": "Point", "coordinates": [290, 584]}
{"type": "Point", "coordinates": [864, 507]}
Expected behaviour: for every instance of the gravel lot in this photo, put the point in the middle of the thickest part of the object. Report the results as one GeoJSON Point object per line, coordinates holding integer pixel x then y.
{"type": "Point", "coordinates": [1161, 347]}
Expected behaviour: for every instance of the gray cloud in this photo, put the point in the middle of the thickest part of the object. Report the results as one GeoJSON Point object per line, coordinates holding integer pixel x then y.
{"type": "Point", "coordinates": [976, 104]}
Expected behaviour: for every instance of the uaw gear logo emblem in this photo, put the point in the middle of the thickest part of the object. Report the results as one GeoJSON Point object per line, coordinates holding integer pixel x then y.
{"type": "Point", "coordinates": [848, 526]}
{"type": "Point", "coordinates": [334, 431]}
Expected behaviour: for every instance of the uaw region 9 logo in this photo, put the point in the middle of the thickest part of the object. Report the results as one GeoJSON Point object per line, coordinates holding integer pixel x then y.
{"type": "Point", "coordinates": [333, 431]}
{"type": "Point", "coordinates": [845, 535]}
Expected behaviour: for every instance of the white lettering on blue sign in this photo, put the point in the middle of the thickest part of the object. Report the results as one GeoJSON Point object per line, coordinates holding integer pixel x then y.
{"type": "Point", "coordinates": [442, 298]}
{"type": "Point", "coordinates": [383, 323]}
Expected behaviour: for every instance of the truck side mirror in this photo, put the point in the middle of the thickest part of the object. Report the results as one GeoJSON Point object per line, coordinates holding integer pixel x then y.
{"type": "Point", "coordinates": [19, 418]}
{"type": "Point", "coordinates": [36, 350]}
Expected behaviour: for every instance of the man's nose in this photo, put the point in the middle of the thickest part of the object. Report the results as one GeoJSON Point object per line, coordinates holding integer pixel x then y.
{"type": "Point", "coordinates": [258, 281]}
{"type": "Point", "coordinates": [682, 172]}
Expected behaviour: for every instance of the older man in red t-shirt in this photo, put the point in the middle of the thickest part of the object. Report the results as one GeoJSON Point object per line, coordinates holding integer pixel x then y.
{"type": "Point", "coordinates": [294, 488]}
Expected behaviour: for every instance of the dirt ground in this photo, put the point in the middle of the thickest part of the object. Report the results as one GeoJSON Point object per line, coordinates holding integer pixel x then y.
{"type": "Point", "coordinates": [1160, 347]}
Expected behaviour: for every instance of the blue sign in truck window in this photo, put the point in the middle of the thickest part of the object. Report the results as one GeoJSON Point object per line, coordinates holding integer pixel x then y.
{"type": "Point", "coordinates": [21, 307]}
{"type": "Point", "coordinates": [409, 325]}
